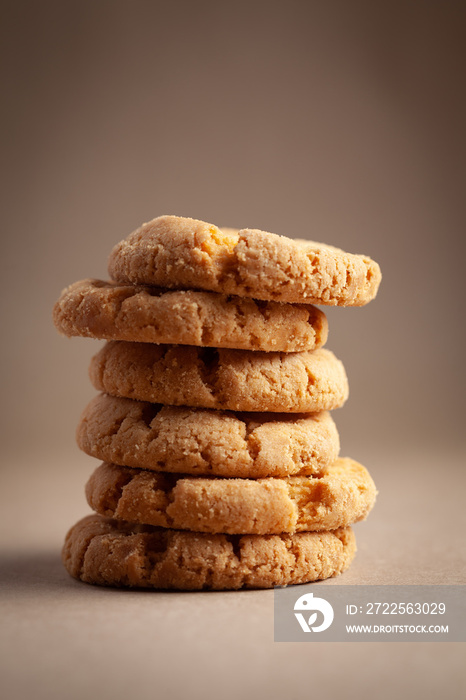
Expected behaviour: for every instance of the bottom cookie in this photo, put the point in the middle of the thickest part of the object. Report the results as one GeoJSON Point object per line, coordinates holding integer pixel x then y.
{"type": "Point", "coordinates": [116, 553]}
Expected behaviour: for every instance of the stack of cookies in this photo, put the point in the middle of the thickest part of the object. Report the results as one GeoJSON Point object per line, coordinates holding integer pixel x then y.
{"type": "Point", "coordinates": [220, 457]}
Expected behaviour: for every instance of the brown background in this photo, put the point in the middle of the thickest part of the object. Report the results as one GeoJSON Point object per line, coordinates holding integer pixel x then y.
{"type": "Point", "coordinates": [334, 121]}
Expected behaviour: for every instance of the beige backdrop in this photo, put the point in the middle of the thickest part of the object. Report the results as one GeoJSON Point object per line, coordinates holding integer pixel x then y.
{"type": "Point", "coordinates": [335, 121]}
{"type": "Point", "coordinates": [341, 122]}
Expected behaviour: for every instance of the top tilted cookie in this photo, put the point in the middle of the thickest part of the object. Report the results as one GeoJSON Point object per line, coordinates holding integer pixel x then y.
{"type": "Point", "coordinates": [173, 251]}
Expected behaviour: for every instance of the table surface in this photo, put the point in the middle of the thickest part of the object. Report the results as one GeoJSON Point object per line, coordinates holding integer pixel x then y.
{"type": "Point", "coordinates": [64, 638]}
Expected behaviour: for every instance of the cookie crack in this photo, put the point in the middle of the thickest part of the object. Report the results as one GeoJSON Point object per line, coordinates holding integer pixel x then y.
{"type": "Point", "coordinates": [105, 498]}
{"type": "Point", "coordinates": [155, 547]}
{"type": "Point", "coordinates": [312, 499]}
{"type": "Point", "coordinates": [84, 552]}
{"type": "Point", "coordinates": [209, 361]}
{"type": "Point", "coordinates": [236, 544]}
{"type": "Point", "coordinates": [149, 411]}
{"type": "Point", "coordinates": [252, 447]}
{"type": "Point", "coordinates": [116, 428]}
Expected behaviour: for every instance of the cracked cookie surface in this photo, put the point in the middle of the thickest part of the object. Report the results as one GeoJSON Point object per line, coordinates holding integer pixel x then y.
{"type": "Point", "coordinates": [236, 380]}
{"type": "Point", "coordinates": [342, 495]}
{"type": "Point", "coordinates": [96, 309]}
{"type": "Point", "coordinates": [111, 553]}
{"type": "Point", "coordinates": [173, 251]}
{"type": "Point", "coordinates": [205, 441]}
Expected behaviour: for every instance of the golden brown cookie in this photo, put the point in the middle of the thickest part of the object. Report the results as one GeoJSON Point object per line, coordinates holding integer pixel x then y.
{"type": "Point", "coordinates": [172, 251]}
{"type": "Point", "coordinates": [206, 442]}
{"type": "Point", "coordinates": [111, 553]}
{"type": "Point", "coordinates": [343, 495]}
{"type": "Point", "coordinates": [96, 309]}
{"type": "Point", "coordinates": [236, 380]}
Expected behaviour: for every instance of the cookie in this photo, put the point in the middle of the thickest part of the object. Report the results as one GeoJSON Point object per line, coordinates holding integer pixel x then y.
{"type": "Point", "coordinates": [97, 309]}
{"type": "Point", "coordinates": [172, 251]}
{"type": "Point", "coordinates": [343, 495]}
{"type": "Point", "coordinates": [236, 380]}
{"type": "Point", "coordinates": [206, 442]}
{"type": "Point", "coordinates": [111, 553]}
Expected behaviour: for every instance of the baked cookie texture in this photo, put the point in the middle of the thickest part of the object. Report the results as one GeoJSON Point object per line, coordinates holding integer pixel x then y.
{"type": "Point", "coordinates": [173, 251]}
{"type": "Point", "coordinates": [220, 458]}
{"type": "Point", "coordinates": [116, 553]}
{"type": "Point", "coordinates": [96, 309]}
{"type": "Point", "coordinates": [236, 380]}
{"type": "Point", "coordinates": [343, 495]}
{"type": "Point", "coordinates": [207, 442]}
